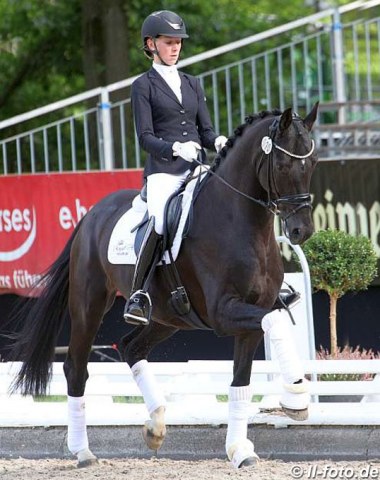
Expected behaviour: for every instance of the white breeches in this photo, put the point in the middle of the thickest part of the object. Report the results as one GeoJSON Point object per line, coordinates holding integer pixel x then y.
{"type": "Point", "coordinates": [159, 188]}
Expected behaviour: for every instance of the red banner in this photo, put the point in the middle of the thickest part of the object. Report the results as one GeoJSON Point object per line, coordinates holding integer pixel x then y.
{"type": "Point", "coordinates": [38, 214]}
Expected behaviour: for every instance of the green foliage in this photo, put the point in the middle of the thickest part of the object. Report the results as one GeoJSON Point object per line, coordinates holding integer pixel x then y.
{"type": "Point", "coordinates": [40, 60]}
{"type": "Point", "coordinates": [340, 262]}
{"type": "Point", "coordinates": [42, 50]}
{"type": "Point", "coordinates": [41, 47]}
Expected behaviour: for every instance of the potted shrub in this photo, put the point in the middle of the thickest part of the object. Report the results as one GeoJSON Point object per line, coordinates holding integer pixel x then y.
{"type": "Point", "coordinates": [339, 263]}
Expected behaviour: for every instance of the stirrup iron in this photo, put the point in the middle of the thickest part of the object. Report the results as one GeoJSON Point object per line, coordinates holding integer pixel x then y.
{"type": "Point", "coordinates": [144, 303]}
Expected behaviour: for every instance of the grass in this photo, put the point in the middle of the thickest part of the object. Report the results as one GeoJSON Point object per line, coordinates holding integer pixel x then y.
{"type": "Point", "coordinates": [127, 399]}
{"type": "Point", "coordinates": [50, 398]}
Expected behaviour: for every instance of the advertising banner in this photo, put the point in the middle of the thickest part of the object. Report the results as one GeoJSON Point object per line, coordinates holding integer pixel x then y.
{"type": "Point", "coordinates": [346, 196]}
{"type": "Point", "coordinates": [38, 214]}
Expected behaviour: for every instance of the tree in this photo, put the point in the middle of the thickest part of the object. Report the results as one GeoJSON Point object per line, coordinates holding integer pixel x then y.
{"type": "Point", "coordinates": [339, 263]}
{"type": "Point", "coordinates": [105, 42]}
{"type": "Point", "coordinates": [39, 53]}
{"type": "Point", "coordinates": [54, 49]}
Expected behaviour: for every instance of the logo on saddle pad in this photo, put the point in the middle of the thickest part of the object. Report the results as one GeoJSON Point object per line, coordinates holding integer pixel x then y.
{"type": "Point", "coordinates": [121, 247]}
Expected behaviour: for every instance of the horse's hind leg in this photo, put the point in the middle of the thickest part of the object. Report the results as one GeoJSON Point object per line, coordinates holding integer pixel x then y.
{"type": "Point", "coordinates": [87, 306]}
{"type": "Point", "coordinates": [295, 398]}
{"type": "Point", "coordinates": [135, 354]}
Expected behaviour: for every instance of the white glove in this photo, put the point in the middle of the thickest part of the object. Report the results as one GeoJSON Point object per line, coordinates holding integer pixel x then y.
{"type": "Point", "coordinates": [220, 142]}
{"type": "Point", "coordinates": [187, 150]}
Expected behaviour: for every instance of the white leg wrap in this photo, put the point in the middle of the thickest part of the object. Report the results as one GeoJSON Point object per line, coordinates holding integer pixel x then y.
{"type": "Point", "coordinates": [148, 386]}
{"type": "Point", "coordinates": [284, 346]}
{"type": "Point", "coordinates": [77, 439]}
{"type": "Point", "coordinates": [238, 447]}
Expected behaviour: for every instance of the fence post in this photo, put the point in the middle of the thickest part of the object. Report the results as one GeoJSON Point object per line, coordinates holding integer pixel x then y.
{"type": "Point", "coordinates": [106, 130]}
{"type": "Point", "coordinates": [338, 66]}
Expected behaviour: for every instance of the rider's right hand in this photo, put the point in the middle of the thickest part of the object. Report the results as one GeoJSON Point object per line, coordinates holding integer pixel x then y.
{"type": "Point", "coordinates": [187, 150]}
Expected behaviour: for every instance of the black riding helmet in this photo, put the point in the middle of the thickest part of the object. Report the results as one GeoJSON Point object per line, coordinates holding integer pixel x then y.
{"type": "Point", "coordinates": [162, 22]}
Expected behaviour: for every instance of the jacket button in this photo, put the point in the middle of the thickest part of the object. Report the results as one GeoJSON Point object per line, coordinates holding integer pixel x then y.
{"type": "Point", "coordinates": [182, 111]}
{"type": "Point", "coordinates": [184, 134]}
{"type": "Point", "coordinates": [183, 123]}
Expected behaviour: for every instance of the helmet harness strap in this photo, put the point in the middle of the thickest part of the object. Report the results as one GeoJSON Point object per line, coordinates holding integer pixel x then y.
{"type": "Point", "coordinates": [156, 52]}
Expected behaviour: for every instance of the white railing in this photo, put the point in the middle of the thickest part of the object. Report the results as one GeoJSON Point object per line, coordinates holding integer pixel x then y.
{"type": "Point", "coordinates": [191, 389]}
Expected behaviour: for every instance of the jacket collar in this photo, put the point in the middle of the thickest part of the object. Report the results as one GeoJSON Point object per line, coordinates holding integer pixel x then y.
{"type": "Point", "coordinates": [156, 78]}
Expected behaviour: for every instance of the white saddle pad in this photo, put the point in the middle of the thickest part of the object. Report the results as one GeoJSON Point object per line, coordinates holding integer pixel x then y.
{"type": "Point", "coordinates": [121, 245]}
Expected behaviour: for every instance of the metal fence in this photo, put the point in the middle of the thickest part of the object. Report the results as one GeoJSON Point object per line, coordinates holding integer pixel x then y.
{"type": "Point", "coordinates": [317, 58]}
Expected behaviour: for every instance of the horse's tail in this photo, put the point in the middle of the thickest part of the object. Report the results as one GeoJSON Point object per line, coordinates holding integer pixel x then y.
{"type": "Point", "coordinates": [42, 320]}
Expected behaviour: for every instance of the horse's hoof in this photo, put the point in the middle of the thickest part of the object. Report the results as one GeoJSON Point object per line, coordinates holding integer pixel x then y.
{"type": "Point", "coordinates": [248, 462]}
{"type": "Point", "coordinates": [153, 441]}
{"type": "Point", "coordinates": [86, 458]}
{"type": "Point", "coordinates": [87, 463]}
{"type": "Point", "coordinates": [298, 415]}
{"type": "Point", "coordinates": [242, 454]}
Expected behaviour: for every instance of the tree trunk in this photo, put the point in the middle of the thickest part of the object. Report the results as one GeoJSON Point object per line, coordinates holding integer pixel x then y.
{"type": "Point", "coordinates": [105, 58]}
{"type": "Point", "coordinates": [105, 42]}
{"type": "Point", "coordinates": [333, 330]}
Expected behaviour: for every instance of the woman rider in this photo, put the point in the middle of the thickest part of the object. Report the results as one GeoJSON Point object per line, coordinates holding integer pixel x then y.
{"type": "Point", "coordinates": [173, 125]}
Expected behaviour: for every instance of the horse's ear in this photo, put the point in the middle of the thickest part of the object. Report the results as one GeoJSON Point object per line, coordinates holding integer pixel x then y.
{"type": "Point", "coordinates": [285, 120]}
{"type": "Point", "coordinates": [311, 117]}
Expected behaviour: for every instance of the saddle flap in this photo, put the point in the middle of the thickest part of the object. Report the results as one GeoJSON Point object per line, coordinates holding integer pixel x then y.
{"type": "Point", "coordinates": [173, 212]}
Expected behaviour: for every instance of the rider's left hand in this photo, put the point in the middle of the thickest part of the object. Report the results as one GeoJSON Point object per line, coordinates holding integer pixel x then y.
{"type": "Point", "coordinates": [220, 143]}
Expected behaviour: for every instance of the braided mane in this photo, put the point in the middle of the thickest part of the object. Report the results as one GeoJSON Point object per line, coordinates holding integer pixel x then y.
{"type": "Point", "coordinates": [249, 120]}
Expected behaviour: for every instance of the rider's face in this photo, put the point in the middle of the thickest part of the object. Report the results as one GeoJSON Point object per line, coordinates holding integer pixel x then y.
{"type": "Point", "coordinates": [168, 48]}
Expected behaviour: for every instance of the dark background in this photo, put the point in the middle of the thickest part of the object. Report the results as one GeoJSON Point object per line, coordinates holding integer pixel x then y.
{"type": "Point", "coordinates": [358, 323]}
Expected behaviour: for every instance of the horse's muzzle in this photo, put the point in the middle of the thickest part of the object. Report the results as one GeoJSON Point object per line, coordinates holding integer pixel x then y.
{"type": "Point", "coordinates": [298, 228]}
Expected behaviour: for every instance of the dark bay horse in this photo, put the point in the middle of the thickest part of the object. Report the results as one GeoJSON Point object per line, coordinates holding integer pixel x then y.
{"type": "Point", "coordinates": [230, 266]}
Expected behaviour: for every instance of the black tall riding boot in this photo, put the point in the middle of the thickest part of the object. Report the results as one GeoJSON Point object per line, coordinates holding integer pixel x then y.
{"type": "Point", "coordinates": [138, 308]}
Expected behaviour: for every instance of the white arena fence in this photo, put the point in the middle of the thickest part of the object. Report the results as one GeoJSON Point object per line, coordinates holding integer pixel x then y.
{"type": "Point", "coordinates": [191, 389]}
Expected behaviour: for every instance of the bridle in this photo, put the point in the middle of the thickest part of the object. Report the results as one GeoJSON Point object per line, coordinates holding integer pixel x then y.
{"type": "Point", "coordinates": [297, 201]}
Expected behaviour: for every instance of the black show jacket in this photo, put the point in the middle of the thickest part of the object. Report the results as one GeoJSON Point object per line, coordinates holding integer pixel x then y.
{"type": "Point", "coordinates": [161, 120]}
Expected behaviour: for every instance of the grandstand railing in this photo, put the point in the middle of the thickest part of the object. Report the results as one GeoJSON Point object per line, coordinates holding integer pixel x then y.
{"type": "Point", "coordinates": [327, 56]}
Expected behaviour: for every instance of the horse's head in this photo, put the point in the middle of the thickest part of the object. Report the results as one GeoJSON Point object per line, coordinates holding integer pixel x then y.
{"type": "Point", "coordinates": [291, 159]}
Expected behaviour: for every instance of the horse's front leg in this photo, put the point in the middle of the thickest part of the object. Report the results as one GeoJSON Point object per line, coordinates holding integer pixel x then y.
{"type": "Point", "coordinates": [240, 450]}
{"type": "Point", "coordinates": [295, 398]}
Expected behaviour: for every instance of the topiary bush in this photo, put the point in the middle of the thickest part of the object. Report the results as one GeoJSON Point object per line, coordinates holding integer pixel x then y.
{"type": "Point", "coordinates": [339, 263]}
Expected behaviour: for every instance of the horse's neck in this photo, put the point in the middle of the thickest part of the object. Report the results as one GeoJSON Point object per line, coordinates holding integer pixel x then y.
{"type": "Point", "coordinates": [240, 171]}
{"type": "Point", "coordinates": [237, 212]}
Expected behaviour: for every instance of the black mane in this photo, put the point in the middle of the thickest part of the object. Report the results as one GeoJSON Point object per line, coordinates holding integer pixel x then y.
{"type": "Point", "coordinates": [249, 120]}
